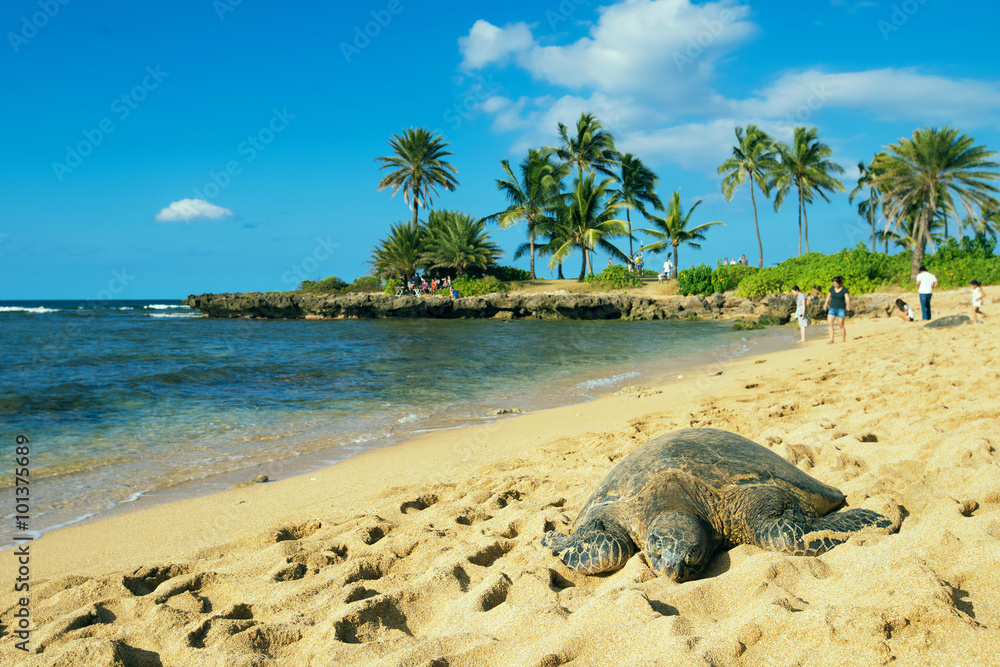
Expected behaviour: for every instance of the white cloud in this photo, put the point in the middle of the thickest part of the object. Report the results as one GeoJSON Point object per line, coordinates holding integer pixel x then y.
{"type": "Point", "coordinates": [892, 94]}
{"type": "Point", "coordinates": [647, 69]}
{"type": "Point", "coordinates": [187, 210]}
{"type": "Point", "coordinates": [648, 48]}
{"type": "Point", "coordinates": [487, 44]}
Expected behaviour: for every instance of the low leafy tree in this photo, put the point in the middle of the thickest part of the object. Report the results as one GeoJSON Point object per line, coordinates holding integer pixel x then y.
{"type": "Point", "coordinates": [399, 254]}
{"type": "Point", "coordinates": [458, 241]}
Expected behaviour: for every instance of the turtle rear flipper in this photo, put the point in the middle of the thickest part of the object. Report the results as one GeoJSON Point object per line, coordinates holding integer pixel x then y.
{"type": "Point", "coordinates": [796, 534]}
{"type": "Point", "coordinates": [594, 547]}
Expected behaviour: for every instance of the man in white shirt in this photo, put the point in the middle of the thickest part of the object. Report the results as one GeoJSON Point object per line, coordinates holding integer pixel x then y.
{"type": "Point", "coordinates": [926, 282]}
{"type": "Point", "coordinates": [668, 268]}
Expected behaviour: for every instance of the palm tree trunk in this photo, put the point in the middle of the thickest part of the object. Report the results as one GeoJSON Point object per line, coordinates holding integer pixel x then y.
{"type": "Point", "coordinates": [760, 246]}
{"type": "Point", "coordinates": [416, 206]}
{"type": "Point", "coordinates": [805, 226]}
{"type": "Point", "coordinates": [675, 260]}
{"type": "Point", "coordinates": [583, 263]}
{"type": "Point", "coordinates": [531, 244]}
{"type": "Point", "coordinates": [871, 219]}
{"type": "Point", "coordinates": [800, 220]}
{"type": "Point", "coordinates": [560, 274]}
{"type": "Point", "coordinates": [629, 221]}
{"type": "Point", "coordinates": [923, 234]}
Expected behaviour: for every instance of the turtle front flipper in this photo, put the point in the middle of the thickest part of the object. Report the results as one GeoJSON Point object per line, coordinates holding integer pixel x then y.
{"type": "Point", "coordinates": [596, 546]}
{"type": "Point", "coordinates": [796, 534]}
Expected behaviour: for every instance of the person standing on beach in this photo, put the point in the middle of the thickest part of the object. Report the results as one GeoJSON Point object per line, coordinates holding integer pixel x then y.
{"type": "Point", "coordinates": [977, 301]}
{"type": "Point", "coordinates": [926, 282]}
{"type": "Point", "coordinates": [837, 303]}
{"type": "Point", "coordinates": [800, 311]}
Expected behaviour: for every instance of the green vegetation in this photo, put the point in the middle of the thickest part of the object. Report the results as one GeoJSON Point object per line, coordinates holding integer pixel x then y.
{"type": "Point", "coordinates": [334, 285]}
{"type": "Point", "coordinates": [508, 273]}
{"type": "Point", "coordinates": [695, 280]}
{"type": "Point", "coordinates": [746, 325]}
{"type": "Point", "coordinates": [570, 197]}
{"type": "Point", "coordinates": [616, 277]}
{"type": "Point", "coordinates": [478, 286]}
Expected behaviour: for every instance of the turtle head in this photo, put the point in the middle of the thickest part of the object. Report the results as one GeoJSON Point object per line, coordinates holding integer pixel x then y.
{"type": "Point", "coordinates": [678, 546]}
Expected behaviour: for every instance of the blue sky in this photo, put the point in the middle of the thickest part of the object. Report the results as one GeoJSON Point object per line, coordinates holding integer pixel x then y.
{"type": "Point", "coordinates": [272, 114]}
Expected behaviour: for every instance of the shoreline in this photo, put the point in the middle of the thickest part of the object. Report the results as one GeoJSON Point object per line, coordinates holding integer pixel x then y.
{"type": "Point", "coordinates": [428, 551]}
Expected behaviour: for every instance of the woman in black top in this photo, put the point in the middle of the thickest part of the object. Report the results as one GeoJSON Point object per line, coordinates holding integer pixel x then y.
{"type": "Point", "coordinates": [837, 303]}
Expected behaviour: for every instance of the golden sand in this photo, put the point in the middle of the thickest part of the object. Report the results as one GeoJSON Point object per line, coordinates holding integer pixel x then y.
{"type": "Point", "coordinates": [428, 553]}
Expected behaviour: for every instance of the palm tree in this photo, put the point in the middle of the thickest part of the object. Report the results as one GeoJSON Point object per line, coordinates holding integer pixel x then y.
{"type": "Point", "coordinates": [399, 254]}
{"type": "Point", "coordinates": [636, 188]}
{"type": "Point", "coordinates": [591, 149]}
{"type": "Point", "coordinates": [753, 160]}
{"type": "Point", "coordinates": [419, 168]}
{"type": "Point", "coordinates": [458, 241]}
{"type": "Point", "coordinates": [530, 196]}
{"type": "Point", "coordinates": [905, 235]}
{"type": "Point", "coordinates": [988, 224]}
{"type": "Point", "coordinates": [867, 207]}
{"type": "Point", "coordinates": [672, 229]}
{"type": "Point", "coordinates": [586, 218]}
{"type": "Point", "coordinates": [930, 170]}
{"type": "Point", "coordinates": [807, 166]}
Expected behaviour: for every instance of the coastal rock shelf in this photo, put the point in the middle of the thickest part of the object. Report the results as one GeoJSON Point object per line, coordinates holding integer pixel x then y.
{"type": "Point", "coordinates": [290, 305]}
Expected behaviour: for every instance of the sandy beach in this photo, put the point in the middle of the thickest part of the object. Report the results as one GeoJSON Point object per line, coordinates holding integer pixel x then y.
{"type": "Point", "coordinates": [428, 553]}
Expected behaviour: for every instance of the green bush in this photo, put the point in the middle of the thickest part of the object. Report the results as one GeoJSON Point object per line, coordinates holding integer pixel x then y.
{"type": "Point", "coordinates": [695, 280]}
{"type": "Point", "coordinates": [330, 285]}
{"type": "Point", "coordinates": [478, 286]}
{"type": "Point", "coordinates": [365, 284]}
{"type": "Point", "coordinates": [508, 273]}
{"type": "Point", "coordinates": [746, 325]}
{"type": "Point", "coordinates": [391, 285]}
{"type": "Point", "coordinates": [726, 278]}
{"type": "Point", "coordinates": [615, 277]}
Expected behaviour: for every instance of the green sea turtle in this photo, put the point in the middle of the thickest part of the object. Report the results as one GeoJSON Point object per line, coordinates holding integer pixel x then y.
{"type": "Point", "coordinates": [683, 495]}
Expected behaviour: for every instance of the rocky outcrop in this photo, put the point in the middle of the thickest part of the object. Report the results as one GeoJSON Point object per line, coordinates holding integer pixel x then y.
{"type": "Point", "coordinates": [290, 305]}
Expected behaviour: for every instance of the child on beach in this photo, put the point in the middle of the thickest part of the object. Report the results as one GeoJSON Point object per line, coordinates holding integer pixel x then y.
{"type": "Point", "coordinates": [977, 301]}
{"type": "Point", "coordinates": [903, 311]}
{"type": "Point", "coordinates": [800, 311]}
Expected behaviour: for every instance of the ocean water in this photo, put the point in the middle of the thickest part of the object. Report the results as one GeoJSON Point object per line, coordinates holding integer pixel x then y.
{"type": "Point", "coordinates": [131, 400]}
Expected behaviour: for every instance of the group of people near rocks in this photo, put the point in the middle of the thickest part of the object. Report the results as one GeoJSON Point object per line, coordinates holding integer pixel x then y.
{"type": "Point", "coordinates": [838, 302]}
{"type": "Point", "coordinates": [420, 285]}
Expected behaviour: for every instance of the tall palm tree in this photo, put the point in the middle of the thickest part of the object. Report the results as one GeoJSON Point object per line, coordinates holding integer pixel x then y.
{"type": "Point", "coordinates": [458, 241]}
{"type": "Point", "coordinates": [754, 159]}
{"type": "Point", "coordinates": [867, 207]}
{"type": "Point", "coordinates": [805, 165]}
{"type": "Point", "coordinates": [587, 217]}
{"type": "Point", "coordinates": [672, 229]}
{"type": "Point", "coordinates": [636, 188]}
{"type": "Point", "coordinates": [400, 253]}
{"type": "Point", "coordinates": [591, 149]}
{"type": "Point", "coordinates": [419, 168]}
{"type": "Point", "coordinates": [927, 171]}
{"type": "Point", "coordinates": [531, 195]}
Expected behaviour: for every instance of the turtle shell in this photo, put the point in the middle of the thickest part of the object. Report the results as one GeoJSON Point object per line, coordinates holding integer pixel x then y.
{"type": "Point", "coordinates": [718, 460]}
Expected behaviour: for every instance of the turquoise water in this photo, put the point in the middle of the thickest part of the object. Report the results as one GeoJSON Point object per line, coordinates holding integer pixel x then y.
{"type": "Point", "coordinates": [125, 400]}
